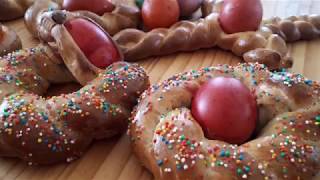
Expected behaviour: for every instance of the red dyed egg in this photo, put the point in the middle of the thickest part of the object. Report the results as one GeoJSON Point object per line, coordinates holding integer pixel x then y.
{"type": "Point", "coordinates": [241, 15]}
{"type": "Point", "coordinates": [226, 110]}
{"type": "Point", "coordinates": [93, 42]}
{"type": "Point", "coordinates": [96, 6]}
{"type": "Point", "coordinates": [160, 13]}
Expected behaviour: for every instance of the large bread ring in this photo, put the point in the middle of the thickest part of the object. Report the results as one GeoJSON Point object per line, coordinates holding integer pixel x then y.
{"type": "Point", "coordinates": [45, 131]}
{"type": "Point", "coordinates": [171, 144]}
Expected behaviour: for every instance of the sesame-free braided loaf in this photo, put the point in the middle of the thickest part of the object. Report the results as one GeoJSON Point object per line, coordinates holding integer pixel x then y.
{"type": "Point", "coordinates": [290, 29]}
{"type": "Point", "coordinates": [60, 128]}
{"type": "Point", "coordinates": [171, 144]}
{"type": "Point", "coordinates": [294, 28]}
{"type": "Point", "coordinates": [263, 46]}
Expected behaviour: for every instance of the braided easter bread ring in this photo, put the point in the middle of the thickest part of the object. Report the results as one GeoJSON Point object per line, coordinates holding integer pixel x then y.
{"type": "Point", "coordinates": [171, 144]}
{"type": "Point", "coordinates": [125, 15]}
{"type": "Point", "coordinates": [48, 130]}
{"type": "Point", "coordinates": [13, 9]}
{"type": "Point", "coordinates": [265, 46]}
{"type": "Point", "coordinates": [9, 40]}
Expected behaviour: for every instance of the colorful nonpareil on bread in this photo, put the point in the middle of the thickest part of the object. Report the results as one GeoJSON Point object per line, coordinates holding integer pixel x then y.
{"type": "Point", "coordinates": [49, 130]}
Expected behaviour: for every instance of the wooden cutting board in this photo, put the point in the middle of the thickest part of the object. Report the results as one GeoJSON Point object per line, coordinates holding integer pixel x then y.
{"type": "Point", "coordinates": [112, 158]}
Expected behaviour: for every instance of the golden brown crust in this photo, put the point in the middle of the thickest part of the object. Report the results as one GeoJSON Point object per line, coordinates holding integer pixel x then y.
{"type": "Point", "coordinates": [295, 28]}
{"type": "Point", "coordinates": [60, 128]}
{"type": "Point", "coordinates": [9, 40]}
{"type": "Point", "coordinates": [290, 29]}
{"type": "Point", "coordinates": [203, 33]}
{"type": "Point", "coordinates": [125, 15]}
{"type": "Point", "coordinates": [32, 16]}
{"type": "Point", "coordinates": [13, 9]}
{"type": "Point", "coordinates": [171, 144]}
{"type": "Point", "coordinates": [122, 17]}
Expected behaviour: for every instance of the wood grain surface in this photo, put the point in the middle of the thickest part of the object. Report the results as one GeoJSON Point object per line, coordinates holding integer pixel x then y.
{"type": "Point", "coordinates": [112, 158]}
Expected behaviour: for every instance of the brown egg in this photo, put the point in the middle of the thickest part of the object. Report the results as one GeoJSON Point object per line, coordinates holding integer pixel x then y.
{"type": "Point", "coordinates": [187, 7]}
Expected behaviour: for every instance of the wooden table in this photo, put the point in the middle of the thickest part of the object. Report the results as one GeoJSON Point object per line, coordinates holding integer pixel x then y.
{"type": "Point", "coordinates": [112, 158]}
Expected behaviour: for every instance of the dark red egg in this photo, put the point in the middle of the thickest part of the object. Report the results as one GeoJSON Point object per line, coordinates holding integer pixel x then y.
{"type": "Point", "coordinates": [96, 6]}
{"type": "Point", "coordinates": [93, 42]}
{"type": "Point", "coordinates": [160, 13]}
{"type": "Point", "coordinates": [241, 15]}
{"type": "Point", "coordinates": [226, 110]}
